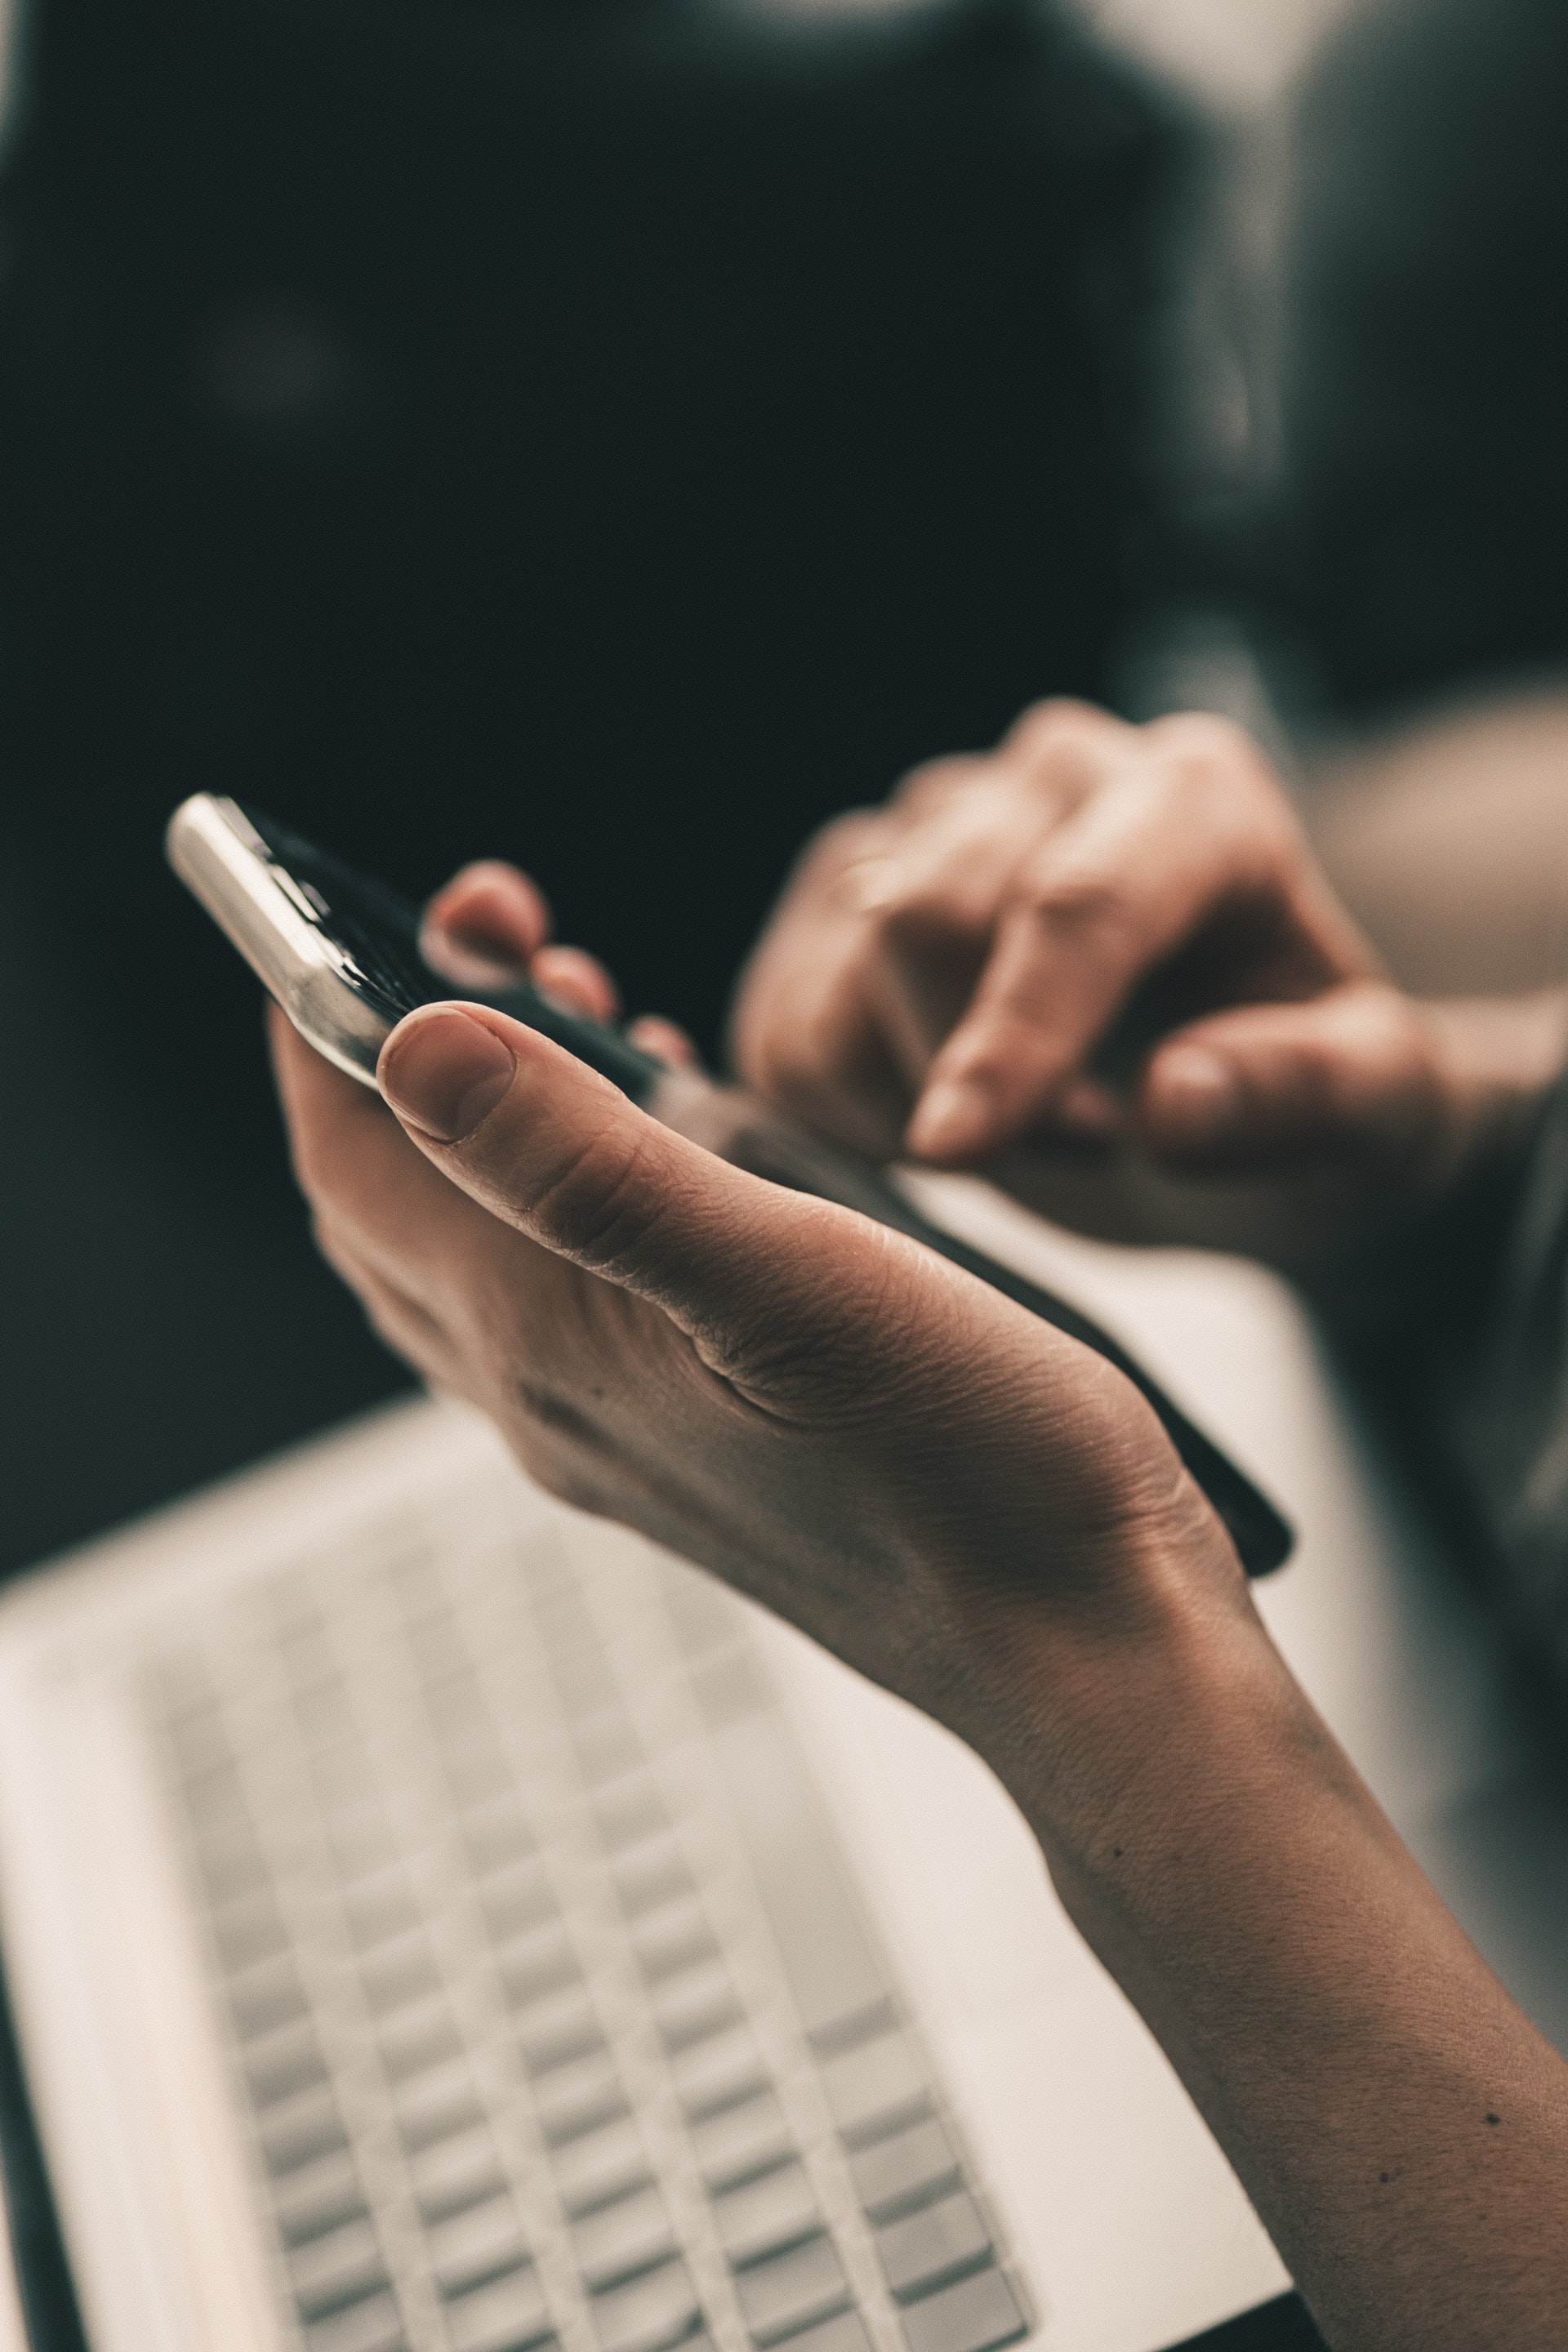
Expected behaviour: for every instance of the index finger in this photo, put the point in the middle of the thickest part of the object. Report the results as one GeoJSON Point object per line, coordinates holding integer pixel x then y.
{"type": "Point", "coordinates": [1136, 871]}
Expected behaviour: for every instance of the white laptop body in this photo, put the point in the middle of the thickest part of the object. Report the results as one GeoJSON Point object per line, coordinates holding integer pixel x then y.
{"type": "Point", "coordinates": [438, 1923]}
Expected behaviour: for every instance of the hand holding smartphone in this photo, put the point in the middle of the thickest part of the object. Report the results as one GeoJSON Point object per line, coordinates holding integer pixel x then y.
{"type": "Point", "coordinates": [341, 955]}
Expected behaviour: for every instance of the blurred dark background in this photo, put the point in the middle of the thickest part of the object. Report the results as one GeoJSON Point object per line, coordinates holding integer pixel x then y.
{"type": "Point", "coordinates": [615, 437]}
{"type": "Point", "coordinates": [619, 435]}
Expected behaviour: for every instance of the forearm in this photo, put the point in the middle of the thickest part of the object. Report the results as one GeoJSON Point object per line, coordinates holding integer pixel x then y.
{"type": "Point", "coordinates": [1401, 2127]}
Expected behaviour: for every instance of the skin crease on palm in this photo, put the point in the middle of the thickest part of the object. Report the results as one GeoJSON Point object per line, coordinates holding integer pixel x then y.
{"type": "Point", "coordinates": [968, 1506]}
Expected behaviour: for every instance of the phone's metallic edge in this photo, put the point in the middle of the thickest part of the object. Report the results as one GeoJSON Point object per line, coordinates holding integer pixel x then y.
{"type": "Point", "coordinates": [223, 862]}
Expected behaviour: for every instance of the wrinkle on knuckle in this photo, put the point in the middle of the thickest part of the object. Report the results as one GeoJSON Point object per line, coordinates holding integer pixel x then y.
{"type": "Point", "coordinates": [598, 1203]}
{"type": "Point", "coordinates": [1080, 902]}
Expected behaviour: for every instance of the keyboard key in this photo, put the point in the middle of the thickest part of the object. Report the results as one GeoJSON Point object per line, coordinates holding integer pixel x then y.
{"type": "Point", "coordinates": [539, 1964]}
{"type": "Point", "coordinates": [621, 2238]}
{"type": "Point", "coordinates": [380, 1908]}
{"type": "Point", "coordinates": [586, 1683]}
{"type": "Point", "coordinates": [437, 2104]}
{"type": "Point", "coordinates": [551, 2031]}
{"type": "Point", "coordinates": [248, 1931]}
{"type": "Point", "coordinates": [728, 1686]}
{"type": "Point", "coordinates": [369, 2327]}
{"type": "Point", "coordinates": [903, 2169]}
{"type": "Point", "coordinates": [231, 1867]}
{"type": "Point", "coordinates": [936, 2244]}
{"type": "Point", "coordinates": [698, 2002]}
{"type": "Point", "coordinates": [834, 1975]}
{"type": "Point", "coordinates": [362, 1844]}
{"type": "Point", "coordinates": [452, 2174]}
{"type": "Point", "coordinates": [741, 2140]}
{"type": "Point", "coordinates": [283, 2063]}
{"type": "Point", "coordinates": [762, 2215]}
{"type": "Point", "coordinates": [647, 2312]}
{"type": "Point", "coordinates": [672, 1938]}
{"type": "Point", "coordinates": [976, 2314]}
{"type": "Point", "coordinates": [474, 2245]}
{"type": "Point", "coordinates": [717, 2073]}
{"type": "Point", "coordinates": [516, 1900]}
{"type": "Point", "coordinates": [628, 1813]}
{"type": "Point", "coordinates": [599, 2165]}
{"type": "Point", "coordinates": [788, 2290]}
{"type": "Point", "coordinates": [319, 2197]}
{"type": "Point", "coordinates": [265, 1997]}
{"type": "Point", "coordinates": [574, 2098]}
{"type": "Point", "coordinates": [343, 2267]}
{"type": "Point", "coordinates": [413, 2039]}
{"type": "Point", "coordinates": [846, 2333]}
{"type": "Point", "coordinates": [299, 2128]}
{"type": "Point", "coordinates": [703, 1614]}
{"type": "Point", "coordinates": [495, 1840]}
{"type": "Point", "coordinates": [651, 1875]}
{"type": "Point", "coordinates": [873, 2084]}
{"type": "Point", "coordinates": [477, 1772]}
{"type": "Point", "coordinates": [396, 1974]}
{"type": "Point", "coordinates": [606, 1747]}
{"type": "Point", "coordinates": [503, 2315]}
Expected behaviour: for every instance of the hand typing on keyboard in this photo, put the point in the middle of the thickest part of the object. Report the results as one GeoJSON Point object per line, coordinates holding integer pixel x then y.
{"type": "Point", "coordinates": [987, 1518]}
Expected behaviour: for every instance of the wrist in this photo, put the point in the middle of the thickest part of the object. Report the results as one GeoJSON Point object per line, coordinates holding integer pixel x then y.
{"type": "Point", "coordinates": [1115, 1712]}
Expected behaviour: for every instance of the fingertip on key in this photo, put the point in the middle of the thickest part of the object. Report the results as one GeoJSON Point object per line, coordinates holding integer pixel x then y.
{"type": "Point", "coordinates": [952, 1121]}
{"type": "Point", "coordinates": [1194, 1096]}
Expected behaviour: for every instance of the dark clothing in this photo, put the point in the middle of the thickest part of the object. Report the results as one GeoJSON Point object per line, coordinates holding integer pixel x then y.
{"type": "Point", "coordinates": [1423, 363]}
{"type": "Point", "coordinates": [1507, 1404]}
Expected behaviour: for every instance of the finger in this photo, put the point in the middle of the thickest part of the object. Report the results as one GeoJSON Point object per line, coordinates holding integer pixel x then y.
{"type": "Point", "coordinates": [822, 1053]}
{"type": "Point", "coordinates": [577, 982]}
{"type": "Point", "coordinates": [364, 1178]}
{"type": "Point", "coordinates": [1131, 876]}
{"type": "Point", "coordinates": [803, 1033]}
{"type": "Point", "coordinates": [489, 920]}
{"type": "Point", "coordinates": [1357, 1071]}
{"type": "Point", "coordinates": [1058, 730]}
{"type": "Point", "coordinates": [652, 1034]}
{"type": "Point", "coordinates": [924, 936]}
{"type": "Point", "coordinates": [751, 1273]}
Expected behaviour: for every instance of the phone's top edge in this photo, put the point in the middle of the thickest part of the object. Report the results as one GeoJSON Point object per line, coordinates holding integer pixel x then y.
{"type": "Point", "coordinates": [227, 865]}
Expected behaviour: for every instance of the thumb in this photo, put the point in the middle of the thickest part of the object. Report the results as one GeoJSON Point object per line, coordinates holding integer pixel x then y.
{"type": "Point", "coordinates": [550, 1147]}
{"type": "Point", "coordinates": [1355, 1071]}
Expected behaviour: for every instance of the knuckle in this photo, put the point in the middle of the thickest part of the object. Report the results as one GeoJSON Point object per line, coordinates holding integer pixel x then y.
{"type": "Point", "coordinates": [596, 1204]}
{"type": "Point", "coordinates": [934, 782]}
{"type": "Point", "coordinates": [1204, 740]}
{"type": "Point", "coordinates": [1206, 754]}
{"type": "Point", "coordinates": [857, 834]}
{"type": "Point", "coordinates": [1059, 719]}
{"type": "Point", "coordinates": [1082, 902]}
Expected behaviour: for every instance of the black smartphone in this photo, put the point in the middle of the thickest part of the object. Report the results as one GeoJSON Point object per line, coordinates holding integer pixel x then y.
{"type": "Point", "coordinates": [340, 954]}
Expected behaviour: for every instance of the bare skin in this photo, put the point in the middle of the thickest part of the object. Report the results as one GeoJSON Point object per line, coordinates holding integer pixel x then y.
{"type": "Point", "coordinates": [987, 1519]}
{"type": "Point", "coordinates": [1103, 963]}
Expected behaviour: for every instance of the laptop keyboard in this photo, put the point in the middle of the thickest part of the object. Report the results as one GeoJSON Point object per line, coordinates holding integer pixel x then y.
{"type": "Point", "coordinates": [554, 2017]}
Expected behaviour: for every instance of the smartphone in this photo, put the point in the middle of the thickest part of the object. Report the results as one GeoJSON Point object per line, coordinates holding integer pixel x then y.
{"type": "Point", "coordinates": [340, 954]}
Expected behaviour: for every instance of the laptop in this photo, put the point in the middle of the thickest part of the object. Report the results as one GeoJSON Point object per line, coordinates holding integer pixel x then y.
{"type": "Point", "coordinates": [439, 1922]}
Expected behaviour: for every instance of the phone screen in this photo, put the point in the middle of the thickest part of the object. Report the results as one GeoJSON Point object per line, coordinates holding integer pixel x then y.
{"type": "Point", "coordinates": [377, 931]}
